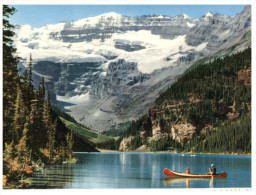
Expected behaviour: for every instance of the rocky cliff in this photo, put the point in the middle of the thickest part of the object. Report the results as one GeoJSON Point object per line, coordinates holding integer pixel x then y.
{"type": "Point", "coordinates": [162, 121]}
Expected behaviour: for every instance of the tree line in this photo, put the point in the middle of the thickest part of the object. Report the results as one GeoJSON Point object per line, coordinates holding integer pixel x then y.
{"type": "Point", "coordinates": [231, 137]}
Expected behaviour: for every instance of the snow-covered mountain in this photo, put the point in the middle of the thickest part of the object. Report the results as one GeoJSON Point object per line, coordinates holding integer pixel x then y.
{"type": "Point", "coordinates": [108, 69]}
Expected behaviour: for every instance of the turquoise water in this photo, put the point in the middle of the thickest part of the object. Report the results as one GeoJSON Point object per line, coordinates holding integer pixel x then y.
{"type": "Point", "coordinates": [143, 170]}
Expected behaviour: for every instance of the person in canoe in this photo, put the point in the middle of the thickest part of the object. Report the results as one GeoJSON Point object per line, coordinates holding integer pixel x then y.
{"type": "Point", "coordinates": [212, 170]}
{"type": "Point", "coordinates": [188, 170]}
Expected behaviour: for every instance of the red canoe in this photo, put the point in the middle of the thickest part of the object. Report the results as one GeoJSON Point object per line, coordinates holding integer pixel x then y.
{"type": "Point", "coordinates": [171, 173]}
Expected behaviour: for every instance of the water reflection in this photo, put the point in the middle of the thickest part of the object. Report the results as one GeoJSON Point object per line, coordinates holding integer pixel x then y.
{"type": "Point", "coordinates": [58, 176]}
{"type": "Point", "coordinates": [122, 161]}
{"type": "Point", "coordinates": [133, 170]}
{"type": "Point", "coordinates": [187, 181]}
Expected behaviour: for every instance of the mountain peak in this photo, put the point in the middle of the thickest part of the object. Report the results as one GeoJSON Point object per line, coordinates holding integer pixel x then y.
{"type": "Point", "coordinates": [186, 16]}
{"type": "Point", "coordinates": [111, 14]}
{"type": "Point", "coordinates": [209, 14]}
{"type": "Point", "coordinates": [93, 21]}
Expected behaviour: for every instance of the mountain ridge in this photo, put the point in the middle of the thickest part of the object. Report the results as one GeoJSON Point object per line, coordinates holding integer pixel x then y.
{"type": "Point", "coordinates": [122, 69]}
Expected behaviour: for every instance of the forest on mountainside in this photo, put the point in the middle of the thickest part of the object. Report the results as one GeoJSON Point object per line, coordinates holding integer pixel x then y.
{"type": "Point", "coordinates": [33, 134]}
{"type": "Point", "coordinates": [215, 98]}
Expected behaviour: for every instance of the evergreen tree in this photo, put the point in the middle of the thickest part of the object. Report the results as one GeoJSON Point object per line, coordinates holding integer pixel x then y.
{"type": "Point", "coordinates": [10, 74]}
{"type": "Point", "coordinates": [51, 140]}
{"type": "Point", "coordinates": [27, 86]}
{"type": "Point", "coordinates": [47, 113]}
{"type": "Point", "coordinates": [36, 134]}
{"type": "Point", "coordinates": [37, 125]}
{"type": "Point", "coordinates": [70, 143]}
{"type": "Point", "coordinates": [19, 116]}
{"type": "Point", "coordinates": [22, 151]}
{"type": "Point", "coordinates": [49, 127]}
{"type": "Point", "coordinates": [40, 94]}
{"type": "Point", "coordinates": [30, 93]}
{"type": "Point", "coordinates": [8, 156]}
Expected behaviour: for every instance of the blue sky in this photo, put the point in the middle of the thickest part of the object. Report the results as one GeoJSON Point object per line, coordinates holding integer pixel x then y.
{"type": "Point", "coordinates": [40, 15]}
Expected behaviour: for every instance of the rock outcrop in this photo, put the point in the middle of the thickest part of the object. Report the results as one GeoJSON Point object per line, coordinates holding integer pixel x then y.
{"type": "Point", "coordinates": [125, 144]}
{"type": "Point", "coordinates": [182, 131]}
{"type": "Point", "coordinates": [159, 122]}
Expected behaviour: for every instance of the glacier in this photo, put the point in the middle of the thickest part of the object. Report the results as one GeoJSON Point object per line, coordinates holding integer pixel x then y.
{"type": "Point", "coordinates": [109, 69]}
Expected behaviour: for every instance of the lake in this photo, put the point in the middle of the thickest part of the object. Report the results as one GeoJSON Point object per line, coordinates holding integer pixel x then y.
{"type": "Point", "coordinates": [143, 170]}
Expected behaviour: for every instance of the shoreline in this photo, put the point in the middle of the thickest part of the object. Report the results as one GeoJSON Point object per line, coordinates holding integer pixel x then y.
{"type": "Point", "coordinates": [169, 152]}
{"type": "Point", "coordinates": [106, 150]}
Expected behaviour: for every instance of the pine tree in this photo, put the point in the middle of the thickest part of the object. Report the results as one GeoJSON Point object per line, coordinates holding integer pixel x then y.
{"type": "Point", "coordinates": [51, 140]}
{"type": "Point", "coordinates": [36, 133]}
{"type": "Point", "coordinates": [27, 86]}
{"type": "Point", "coordinates": [70, 143]}
{"type": "Point", "coordinates": [8, 156]}
{"type": "Point", "coordinates": [19, 116]}
{"type": "Point", "coordinates": [49, 127]}
{"type": "Point", "coordinates": [37, 128]}
{"type": "Point", "coordinates": [10, 74]}
{"type": "Point", "coordinates": [30, 81]}
{"type": "Point", "coordinates": [22, 151]}
{"type": "Point", "coordinates": [40, 94]}
{"type": "Point", "coordinates": [47, 113]}
{"type": "Point", "coordinates": [9, 152]}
